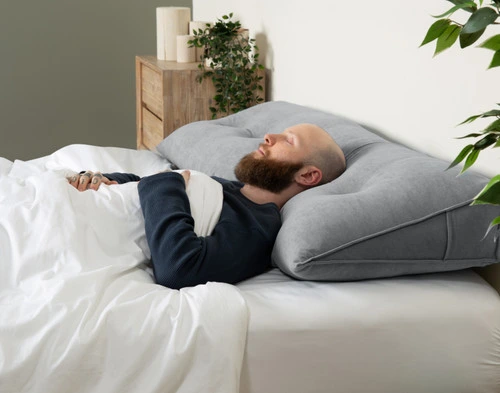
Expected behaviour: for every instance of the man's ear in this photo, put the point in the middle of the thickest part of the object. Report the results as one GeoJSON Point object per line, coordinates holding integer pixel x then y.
{"type": "Point", "coordinates": [308, 176]}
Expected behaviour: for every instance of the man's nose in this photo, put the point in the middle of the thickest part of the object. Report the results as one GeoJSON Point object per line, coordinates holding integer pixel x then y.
{"type": "Point", "coordinates": [270, 139]}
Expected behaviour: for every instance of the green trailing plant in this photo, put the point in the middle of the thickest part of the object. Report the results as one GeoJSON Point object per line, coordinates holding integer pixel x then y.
{"type": "Point", "coordinates": [231, 61]}
{"type": "Point", "coordinates": [446, 32]}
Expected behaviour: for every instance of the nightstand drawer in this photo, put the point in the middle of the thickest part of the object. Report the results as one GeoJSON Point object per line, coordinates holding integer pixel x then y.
{"type": "Point", "coordinates": [169, 96]}
{"type": "Point", "coordinates": [152, 94]}
{"type": "Point", "coordinates": [152, 129]}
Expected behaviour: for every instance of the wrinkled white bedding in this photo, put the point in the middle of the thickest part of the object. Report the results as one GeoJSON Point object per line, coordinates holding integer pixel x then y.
{"type": "Point", "coordinates": [79, 310]}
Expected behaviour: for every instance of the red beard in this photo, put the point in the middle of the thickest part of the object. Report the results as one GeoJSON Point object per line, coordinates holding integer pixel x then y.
{"type": "Point", "coordinates": [266, 173]}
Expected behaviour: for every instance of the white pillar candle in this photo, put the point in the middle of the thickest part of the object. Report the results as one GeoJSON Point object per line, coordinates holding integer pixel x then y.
{"type": "Point", "coordinates": [197, 25]}
{"type": "Point", "coordinates": [185, 54]}
{"type": "Point", "coordinates": [170, 22]}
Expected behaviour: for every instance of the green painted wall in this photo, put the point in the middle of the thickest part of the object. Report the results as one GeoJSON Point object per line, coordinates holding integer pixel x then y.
{"type": "Point", "coordinates": [67, 72]}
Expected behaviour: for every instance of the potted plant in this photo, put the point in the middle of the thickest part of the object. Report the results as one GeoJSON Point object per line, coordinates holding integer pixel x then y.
{"type": "Point", "coordinates": [230, 60]}
{"type": "Point", "coordinates": [446, 32]}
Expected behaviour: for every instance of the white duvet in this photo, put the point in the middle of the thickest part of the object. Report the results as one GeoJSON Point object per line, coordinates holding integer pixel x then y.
{"type": "Point", "coordinates": [79, 310]}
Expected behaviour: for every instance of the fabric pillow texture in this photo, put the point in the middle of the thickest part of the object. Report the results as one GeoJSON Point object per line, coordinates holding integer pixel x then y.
{"type": "Point", "coordinates": [394, 211]}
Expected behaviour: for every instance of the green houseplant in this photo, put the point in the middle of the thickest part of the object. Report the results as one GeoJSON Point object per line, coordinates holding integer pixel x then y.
{"type": "Point", "coordinates": [230, 60]}
{"type": "Point", "coordinates": [446, 32]}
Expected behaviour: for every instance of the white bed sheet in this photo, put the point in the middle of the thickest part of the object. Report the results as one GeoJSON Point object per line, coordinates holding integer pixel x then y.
{"type": "Point", "coordinates": [437, 333]}
{"type": "Point", "coordinates": [79, 311]}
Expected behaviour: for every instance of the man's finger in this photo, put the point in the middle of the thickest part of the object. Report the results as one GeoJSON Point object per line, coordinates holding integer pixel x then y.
{"type": "Point", "coordinates": [84, 180]}
{"type": "Point", "coordinates": [74, 179]}
{"type": "Point", "coordinates": [108, 182]}
{"type": "Point", "coordinates": [96, 181]}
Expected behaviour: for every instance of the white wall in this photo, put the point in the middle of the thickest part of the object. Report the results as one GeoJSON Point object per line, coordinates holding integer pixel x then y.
{"type": "Point", "coordinates": [361, 60]}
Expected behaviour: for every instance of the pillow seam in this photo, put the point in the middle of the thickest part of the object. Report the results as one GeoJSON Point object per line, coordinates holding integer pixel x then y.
{"type": "Point", "coordinates": [385, 231]}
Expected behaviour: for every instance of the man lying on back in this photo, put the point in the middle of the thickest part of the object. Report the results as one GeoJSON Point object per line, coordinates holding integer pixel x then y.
{"type": "Point", "coordinates": [301, 157]}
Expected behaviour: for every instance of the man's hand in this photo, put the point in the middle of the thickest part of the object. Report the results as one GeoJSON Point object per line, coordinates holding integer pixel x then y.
{"type": "Point", "coordinates": [186, 175]}
{"type": "Point", "coordinates": [89, 180]}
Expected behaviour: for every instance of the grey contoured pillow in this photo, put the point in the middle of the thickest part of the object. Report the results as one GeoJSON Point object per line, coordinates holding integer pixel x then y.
{"type": "Point", "coordinates": [393, 212]}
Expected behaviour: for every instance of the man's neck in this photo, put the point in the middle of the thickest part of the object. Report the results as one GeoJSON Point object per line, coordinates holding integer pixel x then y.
{"type": "Point", "coordinates": [261, 196]}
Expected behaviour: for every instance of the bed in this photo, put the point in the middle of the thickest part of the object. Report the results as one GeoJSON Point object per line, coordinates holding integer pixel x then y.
{"type": "Point", "coordinates": [427, 333]}
{"type": "Point", "coordinates": [80, 310]}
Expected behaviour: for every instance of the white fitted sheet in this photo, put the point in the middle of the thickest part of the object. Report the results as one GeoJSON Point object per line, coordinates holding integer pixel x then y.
{"type": "Point", "coordinates": [428, 333]}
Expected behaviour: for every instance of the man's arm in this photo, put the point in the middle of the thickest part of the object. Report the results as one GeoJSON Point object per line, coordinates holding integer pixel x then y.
{"type": "Point", "coordinates": [176, 250]}
{"type": "Point", "coordinates": [236, 249]}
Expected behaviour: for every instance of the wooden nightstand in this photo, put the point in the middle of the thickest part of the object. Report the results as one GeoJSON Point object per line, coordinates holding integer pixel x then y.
{"type": "Point", "coordinates": [168, 97]}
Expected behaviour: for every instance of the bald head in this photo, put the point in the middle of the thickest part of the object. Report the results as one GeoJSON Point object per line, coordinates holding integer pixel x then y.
{"type": "Point", "coordinates": [320, 150]}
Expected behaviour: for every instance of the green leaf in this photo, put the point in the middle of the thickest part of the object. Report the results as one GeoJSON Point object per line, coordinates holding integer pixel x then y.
{"type": "Point", "coordinates": [447, 39]}
{"type": "Point", "coordinates": [468, 39]}
{"type": "Point", "coordinates": [485, 142]}
{"type": "Point", "coordinates": [480, 20]}
{"type": "Point", "coordinates": [495, 62]}
{"type": "Point", "coordinates": [468, 9]}
{"type": "Point", "coordinates": [458, 6]}
{"type": "Point", "coordinates": [492, 43]}
{"type": "Point", "coordinates": [471, 159]}
{"type": "Point", "coordinates": [490, 194]}
{"type": "Point", "coordinates": [492, 225]}
{"type": "Point", "coordinates": [461, 156]}
{"type": "Point", "coordinates": [470, 119]}
{"type": "Point", "coordinates": [436, 29]}
{"type": "Point", "coordinates": [495, 126]}
{"type": "Point", "coordinates": [493, 112]}
{"type": "Point", "coordinates": [474, 135]}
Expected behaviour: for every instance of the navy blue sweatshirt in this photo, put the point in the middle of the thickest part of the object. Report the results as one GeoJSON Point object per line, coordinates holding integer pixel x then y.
{"type": "Point", "coordinates": [239, 247]}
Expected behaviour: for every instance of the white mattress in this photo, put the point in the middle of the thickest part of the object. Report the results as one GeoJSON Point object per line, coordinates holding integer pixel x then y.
{"type": "Point", "coordinates": [429, 333]}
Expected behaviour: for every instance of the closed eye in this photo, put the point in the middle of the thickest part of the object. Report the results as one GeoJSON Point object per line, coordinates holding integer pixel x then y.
{"type": "Point", "coordinates": [290, 138]}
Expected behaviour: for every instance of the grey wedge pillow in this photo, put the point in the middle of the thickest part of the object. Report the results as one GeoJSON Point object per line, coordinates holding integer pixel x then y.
{"type": "Point", "coordinates": [393, 212]}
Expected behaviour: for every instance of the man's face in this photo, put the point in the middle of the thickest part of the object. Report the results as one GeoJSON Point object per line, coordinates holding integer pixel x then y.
{"type": "Point", "coordinates": [266, 173]}
{"type": "Point", "coordinates": [286, 146]}
{"type": "Point", "coordinates": [273, 165]}
{"type": "Point", "coordinates": [294, 144]}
